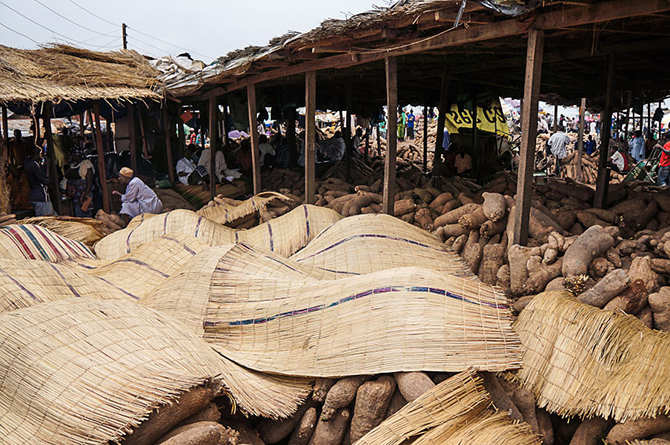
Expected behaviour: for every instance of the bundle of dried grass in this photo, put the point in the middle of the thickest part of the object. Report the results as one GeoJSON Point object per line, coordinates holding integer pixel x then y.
{"type": "Point", "coordinates": [284, 235]}
{"type": "Point", "coordinates": [454, 412]}
{"type": "Point", "coordinates": [224, 211]}
{"type": "Point", "coordinates": [65, 73]}
{"type": "Point", "coordinates": [89, 372]}
{"type": "Point", "coordinates": [282, 320]}
{"type": "Point", "coordinates": [370, 243]}
{"type": "Point", "coordinates": [581, 360]}
{"type": "Point", "coordinates": [85, 230]}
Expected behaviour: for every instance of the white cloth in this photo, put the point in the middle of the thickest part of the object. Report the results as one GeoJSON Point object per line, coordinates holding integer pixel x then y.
{"type": "Point", "coordinates": [84, 166]}
{"type": "Point", "coordinates": [220, 167]}
{"type": "Point", "coordinates": [185, 165]}
{"type": "Point", "coordinates": [266, 149]}
{"type": "Point", "coordinates": [138, 199]}
{"type": "Point", "coordinates": [618, 160]}
{"type": "Point", "coordinates": [463, 163]}
{"type": "Point", "coordinates": [559, 142]}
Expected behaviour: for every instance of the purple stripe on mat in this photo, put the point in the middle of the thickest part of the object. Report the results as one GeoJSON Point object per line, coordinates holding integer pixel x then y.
{"type": "Point", "coordinates": [23, 288]}
{"type": "Point", "coordinates": [380, 290]}
{"type": "Point", "coordinates": [117, 287]}
{"type": "Point", "coordinates": [197, 227]}
{"type": "Point", "coordinates": [186, 248]}
{"type": "Point", "coordinates": [132, 231]}
{"type": "Point", "coordinates": [68, 284]}
{"type": "Point", "coordinates": [306, 220]}
{"type": "Point", "coordinates": [272, 242]}
{"type": "Point", "coordinates": [370, 235]}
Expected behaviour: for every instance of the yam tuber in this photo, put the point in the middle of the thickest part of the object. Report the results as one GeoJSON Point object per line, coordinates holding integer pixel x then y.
{"type": "Point", "coordinates": [493, 258]}
{"type": "Point", "coordinates": [453, 216]}
{"type": "Point", "coordinates": [200, 433]}
{"type": "Point", "coordinates": [331, 432]}
{"type": "Point", "coordinates": [303, 433]}
{"type": "Point", "coordinates": [518, 258]}
{"type": "Point", "coordinates": [272, 431]}
{"type": "Point", "coordinates": [623, 433]}
{"type": "Point", "coordinates": [474, 220]}
{"type": "Point", "coordinates": [396, 404]}
{"type": "Point", "coordinates": [609, 287]}
{"type": "Point", "coordinates": [631, 301]}
{"type": "Point", "coordinates": [591, 244]}
{"type": "Point", "coordinates": [660, 305]}
{"type": "Point", "coordinates": [340, 395]}
{"type": "Point", "coordinates": [592, 431]}
{"type": "Point", "coordinates": [413, 384]}
{"type": "Point", "coordinates": [321, 388]}
{"type": "Point", "coordinates": [501, 400]}
{"type": "Point", "coordinates": [372, 400]}
{"type": "Point", "coordinates": [495, 206]}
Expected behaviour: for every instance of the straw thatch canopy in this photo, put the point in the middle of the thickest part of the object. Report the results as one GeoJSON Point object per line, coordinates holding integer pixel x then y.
{"type": "Point", "coordinates": [581, 360]}
{"type": "Point", "coordinates": [64, 73]}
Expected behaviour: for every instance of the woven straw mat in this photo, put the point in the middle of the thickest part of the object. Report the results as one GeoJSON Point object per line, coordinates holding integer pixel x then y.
{"type": "Point", "coordinates": [87, 372]}
{"type": "Point", "coordinates": [405, 319]}
{"type": "Point", "coordinates": [284, 235]}
{"type": "Point", "coordinates": [581, 360]}
{"type": "Point", "coordinates": [371, 243]}
{"type": "Point", "coordinates": [28, 242]}
{"type": "Point", "coordinates": [225, 213]}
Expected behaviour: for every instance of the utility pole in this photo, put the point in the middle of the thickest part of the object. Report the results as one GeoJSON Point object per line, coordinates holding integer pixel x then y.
{"type": "Point", "coordinates": [124, 34]}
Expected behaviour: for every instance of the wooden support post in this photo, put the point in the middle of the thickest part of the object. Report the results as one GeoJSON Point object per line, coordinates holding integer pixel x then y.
{"type": "Point", "coordinates": [580, 139]}
{"type": "Point", "coordinates": [649, 120]}
{"type": "Point", "coordinates": [293, 152]}
{"type": "Point", "coordinates": [628, 105]}
{"type": "Point", "coordinates": [531, 95]}
{"type": "Point", "coordinates": [212, 146]}
{"type": "Point", "coordinates": [310, 137]}
{"type": "Point", "coordinates": [367, 143]}
{"type": "Point", "coordinates": [391, 134]}
{"type": "Point", "coordinates": [425, 138]}
{"type": "Point", "coordinates": [347, 137]}
{"type": "Point", "coordinates": [439, 139]}
{"type": "Point", "coordinates": [475, 154]}
{"type": "Point", "coordinates": [145, 144]}
{"type": "Point", "coordinates": [101, 158]}
{"type": "Point", "coordinates": [4, 155]}
{"type": "Point", "coordinates": [253, 127]}
{"type": "Point", "coordinates": [133, 137]}
{"type": "Point", "coordinates": [181, 134]}
{"type": "Point", "coordinates": [602, 182]}
{"type": "Point", "coordinates": [51, 154]}
{"type": "Point", "coordinates": [555, 129]}
{"type": "Point", "coordinates": [169, 131]}
{"type": "Point", "coordinates": [82, 132]}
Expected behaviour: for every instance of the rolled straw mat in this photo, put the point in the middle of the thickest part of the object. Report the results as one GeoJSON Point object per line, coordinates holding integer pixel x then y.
{"type": "Point", "coordinates": [453, 412]}
{"type": "Point", "coordinates": [227, 212]}
{"type": "Point", "coordinates": [86, 230]}
{"type": "Point", "coordinates": [371, 243]}
{"type": "Point", "coordinates": [581, 360]}
{"type": "Point", "coordinates": [89, 372]}
{"type": "Point", "coordinates": [275, 318]}
{"type": "Point", "coordinates": [29, 242]}
{"type": "Point", "coordinates": [284, 235]}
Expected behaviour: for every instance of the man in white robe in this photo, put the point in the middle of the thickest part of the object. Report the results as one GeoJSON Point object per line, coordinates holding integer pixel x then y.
{"type": "Point", "coordinates": [138, 199]}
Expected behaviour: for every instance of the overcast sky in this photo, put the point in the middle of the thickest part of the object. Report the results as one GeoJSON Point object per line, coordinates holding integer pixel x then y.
{"type": "Point", "coordinates": [207, 28]}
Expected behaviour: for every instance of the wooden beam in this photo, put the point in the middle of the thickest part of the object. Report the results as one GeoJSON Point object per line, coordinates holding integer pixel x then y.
{"type": "Point", "coordinates": [602, 182]}
{"type": "Point", "coordinates": [51, 154]}
{"type": "Point", "coordinates": [347, 136]}
{"type": "Point", "coordinates": [101, 157]}
{"type": "Point", "coordinates": [253, 131]}
{"type": "Point", "coordinates": [580, 139]}
{"type": "Point", "coordinates": [5, 125]}
{"type": "Point", "coordinates": [133, 137]}
{"type": "Point", "coordinates": [425, 138]}
{"type": "Point", "coordinates": [181, 134]}
{"type": "Point", "coordinates": [4, 155]}
{"type": "Point", "coordinates": [439, 137]}
{"type": "Point", "coordinates": [391, 135]}
{"type": "Point", "coordinates": [310, 137]}
{"type": "Point", "coordinates": [555, 129]}
{"type": "Point", "coordinates": [169, 131]}
{"type": "Point", "coordinates": [529, 111]}
{"type": "Point", "coordinates": [212, 146]}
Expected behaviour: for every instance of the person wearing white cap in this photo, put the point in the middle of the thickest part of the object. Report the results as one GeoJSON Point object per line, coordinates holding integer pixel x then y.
{"type": "Point", "coordinates": [139, 198]}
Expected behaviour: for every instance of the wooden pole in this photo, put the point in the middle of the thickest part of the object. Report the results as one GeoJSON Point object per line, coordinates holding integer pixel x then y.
{"type": "Point", "coordinates": [4, 155]}
{"type": "Point", "coordinates": [145, 145]}
{"type": "Point", "coordinates": [580, 139]}
{"type": "Point", "coordinates": [602, 182]}
{"type": "Point", "coordinates": [555, 129]}
{"type": "Point", "coordinates": [310, 137]}
{"type": "Point", "coordinates": [347, 136]}
{"type": "Point", "coordinates": [628, 105]}
{"type": "Point", "coordinates": [133, 137]}
{"type": "Point", "coordinates": [212, 146]}
{"type": "Point", "coordinates": [255, 155]}
{"type": "Point", "coordinates": [439, 139]}
{"type": "Point", "coordinates": [169, 131]}
{"type": "Point", "coordinates": [5, 127]}
{"type": "Point", "coordinates": [531, 95]}
{"type": "Point", "coordinates": [649, 120]}
{"type": "Point", "coordinates": [475, 153]}
{"type": "Point", "coordinates": [425, 138]}
{"type": "Point", "coordinates": [290, 137]}
{"type": "Point", "coordinates": [181, 134]}
{"type": "Point", "coordinates": [391, 134]}
{"type": "Point", "coordinates": [51, 154]}
{"type": "Point", "coordinates": [367, 142]}
{"type": "Point", "coordinates": [82, 132]}
{"type": "Point", "coordinates": [101, 158]}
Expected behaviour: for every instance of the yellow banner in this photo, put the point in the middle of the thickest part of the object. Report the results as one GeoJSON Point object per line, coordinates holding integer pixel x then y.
{"type": "Point", "coordinates": [490, 119]}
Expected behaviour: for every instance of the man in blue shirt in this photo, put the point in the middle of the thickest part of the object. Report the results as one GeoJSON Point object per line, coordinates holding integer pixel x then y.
{"type": "Point", "coordinates": [590, 146]}
{"type": "Point", "coordinates": [410, 124]}
{"type": "Point", "coordinates": [637, 146]}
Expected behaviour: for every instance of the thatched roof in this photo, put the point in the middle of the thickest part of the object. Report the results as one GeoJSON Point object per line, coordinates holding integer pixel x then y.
{"type": "Point", "coordinates": [64, 73]}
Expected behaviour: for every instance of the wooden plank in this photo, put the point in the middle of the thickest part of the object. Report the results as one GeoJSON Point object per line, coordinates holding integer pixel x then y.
{"type": "Point", "coordinates": [51, 154]}
{"type": "Point", "coordinates": [528, 135]}
{"type": "Point", "coordinates": [145, 146]}
{"type": "Point", "coordinates": [580, 139]}
{"type": "Point", "coordinates": [391, 134]}
{"type": "Point", "coordinates": [602, 182]}
{"type": "Point", "coordinates": [555, 129]}
{"type": "Point", "coordinates": [4, 155]}
{"type": "Point", "coordinates": [133, 137]}
{"type": "Point", "coordinates": [439, 137]}
{"type": "Point", "coordinates": [5, 125]}
{"type": "Point", "coordinates": [347, 136]}
{"type": "Point", "coordinates": [101, 157]}
{"type": "Point", "coordinates": [310, 137]}
{"type": "Point", "coordinates": [169, 131]}
{"type": "Point", "coordinates": [253, 131]}
{"type": "Point", "coordinates": [212, 146]}
{"type": "Point", "coordinates": [181, 134]}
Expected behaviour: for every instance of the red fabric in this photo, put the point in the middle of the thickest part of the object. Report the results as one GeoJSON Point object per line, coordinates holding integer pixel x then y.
{"type": "Point", "coordinates": [665, 159]}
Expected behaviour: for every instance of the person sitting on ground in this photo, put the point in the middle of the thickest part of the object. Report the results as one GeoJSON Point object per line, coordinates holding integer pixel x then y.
{"type": "Point", "coordinates": [36, 169]}
{"type": "Point", "coordinates": [332, 150]}
{"type": "Point", "coordinates": [618, 161]}
{"type": "Point", "coordinates": [356, 143]}
{"type": "Point", "coordinates": [590, 146]}
{"type": "Point", "coordinates": [138, 199]}
{"type": "Point", "coordinates": [220, 167]}
{"type": "Point", "coordinates": [266, 150]}
{"type": "Point", "coordinates": [558, 143]}
{"type": "Point", "coordinates": [463, 163]}
{"type": "Point", "coordinates": [189, 173]}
